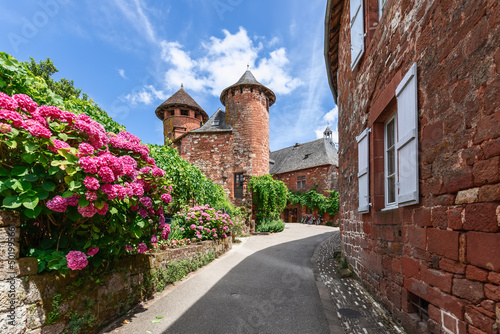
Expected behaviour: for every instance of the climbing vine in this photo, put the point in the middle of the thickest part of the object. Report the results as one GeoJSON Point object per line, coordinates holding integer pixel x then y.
{"type": "Point", "coordinates": [315, 201]}
{"type": "Point", "coordinates": [270, 196]}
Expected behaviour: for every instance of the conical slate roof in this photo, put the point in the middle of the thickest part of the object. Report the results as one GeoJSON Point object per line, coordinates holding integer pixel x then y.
{"type": "Point", "coordinates": [247, 79]}
{"type": "Point", "coordinates": [180, 99]}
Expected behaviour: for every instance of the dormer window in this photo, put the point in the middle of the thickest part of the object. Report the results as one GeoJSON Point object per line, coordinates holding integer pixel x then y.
{"type": "Point", "coordinates": [216, 122]}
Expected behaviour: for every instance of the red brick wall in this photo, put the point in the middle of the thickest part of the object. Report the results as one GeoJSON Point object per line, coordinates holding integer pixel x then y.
{"type": "Point", "coordinates": [445, 250]}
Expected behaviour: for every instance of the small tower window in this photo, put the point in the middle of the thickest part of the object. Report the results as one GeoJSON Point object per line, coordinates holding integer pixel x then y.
{"type": "Point", "coordinates": [172, 112]}
{"type": "Point", "coordinates": [238, 185]}
{"type": "Point", "coordinates": [184, 112]}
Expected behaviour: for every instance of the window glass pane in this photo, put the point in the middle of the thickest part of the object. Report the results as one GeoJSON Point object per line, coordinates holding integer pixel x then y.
{"type": "Point", "coordinates": [391, 189]}
{"type": "Point", "coordinates": [238, 185]}
{"type": "Point", "coordinates": [391, 162]}
{"type": "Point", "coordinates": [390, 134]}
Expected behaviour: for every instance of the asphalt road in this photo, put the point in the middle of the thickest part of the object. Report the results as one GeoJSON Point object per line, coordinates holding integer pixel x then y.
{"type": "Point", "coordinates": [263, 285]}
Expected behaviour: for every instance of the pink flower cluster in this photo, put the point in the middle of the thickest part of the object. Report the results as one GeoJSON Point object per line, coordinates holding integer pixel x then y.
{"type": "Point", "coordinates": [92, 251]}
{"type": "Point", "coordinates": [76, 260]}
{"type": "Point", "coordinates": [204, 222]}
{"type": "Point", "coordinates": [131, 143]}
{"type": "Point", "coordinates": [59, 204]}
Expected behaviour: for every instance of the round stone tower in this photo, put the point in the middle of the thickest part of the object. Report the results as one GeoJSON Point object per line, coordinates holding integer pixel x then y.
{"type": "Point", "coordinates": [180, 114]}
{"type": "Point", "coordinates": [247, 105]}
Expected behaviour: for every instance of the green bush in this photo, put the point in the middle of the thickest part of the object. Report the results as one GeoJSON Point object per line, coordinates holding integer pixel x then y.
{"type": "Point", "coordinates": [270, 225]}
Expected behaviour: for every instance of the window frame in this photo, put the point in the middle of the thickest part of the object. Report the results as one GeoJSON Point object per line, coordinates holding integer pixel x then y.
{"type": "Point", "coordinates": [394, 119]}
{"type": "Point", "coordinates": [301, 182]}
{"type": "Point", "coordinates": [381, 7]}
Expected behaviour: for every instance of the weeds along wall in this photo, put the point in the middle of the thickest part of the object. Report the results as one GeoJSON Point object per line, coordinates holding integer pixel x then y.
{"type": "Point", "coordinates": [84, 301]}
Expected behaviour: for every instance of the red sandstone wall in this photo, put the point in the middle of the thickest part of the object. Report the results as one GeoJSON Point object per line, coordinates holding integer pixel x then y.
{"type": "Point", "coordinates": [212, 154]}
{"type": "Point", "coordinates": [445, 250]}
{"type": "Point", "coordinates": [189, 122]}
{"type": "Point", "coordinates": [247, 113]}
{"type": "Point", "coordinates": [323, 176]}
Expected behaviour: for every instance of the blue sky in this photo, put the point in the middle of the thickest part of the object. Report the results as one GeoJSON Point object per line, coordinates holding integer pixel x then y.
{"type": "Point", "coordinates": [131, 55]}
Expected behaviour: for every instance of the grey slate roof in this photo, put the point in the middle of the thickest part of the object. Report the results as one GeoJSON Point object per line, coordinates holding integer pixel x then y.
{"type": "Point", "coordinates": [314, 153]}
{"type": "Point", "coordinates": [182, 99]}
{"type": "Point", "coordinates": [210, 125]}
{"type": "Point", "coordinates": [248, 79]}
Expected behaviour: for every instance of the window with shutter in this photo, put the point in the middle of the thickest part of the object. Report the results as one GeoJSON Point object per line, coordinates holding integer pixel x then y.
{"type": "Point", "coordinates": [363, 171]}
{"type": "Point", "coordinates": [407, 145]}
{"type": "Point", "coordinates": [357, 31]}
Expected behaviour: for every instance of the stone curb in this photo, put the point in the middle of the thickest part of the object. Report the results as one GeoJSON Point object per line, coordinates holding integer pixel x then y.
{"type": "Point", "coordinates": [334, 324]}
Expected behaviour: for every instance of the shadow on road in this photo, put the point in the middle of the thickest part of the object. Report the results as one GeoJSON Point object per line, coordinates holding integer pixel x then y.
{"type": "Point", "coordinates": [270, 291]}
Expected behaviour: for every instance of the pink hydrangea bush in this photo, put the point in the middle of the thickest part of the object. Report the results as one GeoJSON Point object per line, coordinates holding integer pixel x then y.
{"type": "Point", "coordinates": [205, 223]}
{"type": "Point", "coordinates": [71, 180]}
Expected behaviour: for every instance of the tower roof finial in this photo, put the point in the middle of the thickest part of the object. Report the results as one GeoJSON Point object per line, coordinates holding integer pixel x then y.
{"type": "Point", "coordinates": [248, 67]}
{"type": "Point", "coordinates": [182, 85]}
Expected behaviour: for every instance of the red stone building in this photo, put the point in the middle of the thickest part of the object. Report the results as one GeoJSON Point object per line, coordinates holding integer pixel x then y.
{"type": "Point", "coordinates": [417, 86]}
{"type": "Point", "coordinates": [307, 166]}
{"type": "Point", "coordinates": [233, 144]}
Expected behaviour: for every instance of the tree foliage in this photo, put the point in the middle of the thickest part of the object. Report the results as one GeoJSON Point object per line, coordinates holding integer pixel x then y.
{"type": "Point", "coordinates": [269, 195]}
{"type": "Point", "coordinates": [45, 69]}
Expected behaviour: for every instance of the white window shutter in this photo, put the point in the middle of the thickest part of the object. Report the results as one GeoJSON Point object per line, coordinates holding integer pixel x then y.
{"type": "Point", "coordinates": [357, 31]}
{"type": "Point", "coordinates": [363, 171]}
{"type": "Point", "coordinates": [407, 145]}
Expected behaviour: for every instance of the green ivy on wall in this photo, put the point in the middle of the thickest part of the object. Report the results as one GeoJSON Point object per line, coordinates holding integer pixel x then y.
{"type": "Point", "coordinates": [270, 196]}
{"type": "Point", "coordinates": [315, 201]}
{"type": "Point", "coordinates": [190, 185]}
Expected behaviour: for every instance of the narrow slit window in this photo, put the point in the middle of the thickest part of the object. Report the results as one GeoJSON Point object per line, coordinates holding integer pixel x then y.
{"type": "Point", "coordinates": [238, 185]}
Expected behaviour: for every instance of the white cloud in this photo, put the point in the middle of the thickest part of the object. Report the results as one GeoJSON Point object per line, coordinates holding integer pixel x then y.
{"type": "Point", "coordinates": [134, 13]}
{"type": "Point", "coordinates": [224, 61]}
{"type": "Point", "coordinates": [332, 116]}
{"type": "Point", "coordinates": [147, 95]}
{"type": "Point", "coordinates": [121, 72]}
{"type": "Point", "coordinates": [330, 119]}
